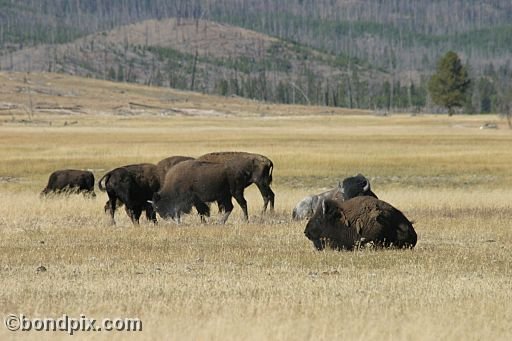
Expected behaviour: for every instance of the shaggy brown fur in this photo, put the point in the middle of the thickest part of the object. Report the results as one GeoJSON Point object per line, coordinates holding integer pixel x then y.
{"type": "Point", "coordinates": [258, 168]}
{"type": "Point", "coordinates": [70, 181]}
{"type": "Point", "coordinates": [345, 225]}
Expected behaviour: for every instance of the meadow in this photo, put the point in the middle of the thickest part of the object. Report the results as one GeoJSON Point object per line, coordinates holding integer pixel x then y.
{"type": "Point", "coordinates": [261, 279]}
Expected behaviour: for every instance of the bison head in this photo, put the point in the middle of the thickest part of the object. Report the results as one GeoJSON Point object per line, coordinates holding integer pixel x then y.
{"type": "Point", "coordinates": [356, 186]}
{"type": "Point", "coordinates": [165, 207]}
{"type": "Point", "coordinates": [330, 227]}
{"type": "Point", "coordinates": [171, 206]}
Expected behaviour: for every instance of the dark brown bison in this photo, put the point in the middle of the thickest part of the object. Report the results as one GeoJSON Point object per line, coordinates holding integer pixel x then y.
{"type": "Point", "coordinates": [196, 183]}
{"type": "Point", "coordinates": [356, 186]}
{"type": "Point", "coordinates": [164, 165]}
{"type": "Point", "coordinates": [351, 187]}
{"type": "Point", "coordinates": [70, 181]}
{"type": "Point", "coordinates": [132, 185]}
{"type": "Point", "coordinates": [355, 222]}
{"type": "Point", "coordinates": [258, 168]}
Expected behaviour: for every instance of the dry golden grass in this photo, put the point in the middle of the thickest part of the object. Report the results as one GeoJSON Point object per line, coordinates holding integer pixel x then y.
{"type": "Point", "coordinates": [262, 279]}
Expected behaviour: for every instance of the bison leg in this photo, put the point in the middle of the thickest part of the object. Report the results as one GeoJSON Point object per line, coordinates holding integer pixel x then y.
{"type": "Point", "coordinates": [134, 214]}
{"type": "Point", "coordinates": [268, 196]}
{"type": "Point", "coordinates": [239, 197]}
{"type": "Point", "coordinates": [151, 214]}
{"type": "Point", "coordinates": [202, 209]}
{"type": "Point", "coordinates": [110, 205]}
{"type": "Point", "coordinates": [226, 206]}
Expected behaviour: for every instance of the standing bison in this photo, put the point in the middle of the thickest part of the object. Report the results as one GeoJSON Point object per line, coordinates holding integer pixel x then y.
{"type": "Point", "coordinates": [164, 165]}
{"type": "Point", "coordinates": [196, 183]}
{"type": "Point", "coordinates": [132, 185]}
{"type": "Point", "coordinates": [355, 222]}
{"type": "Point", "coordinates": [351, 187]}
{"type": "Point", "coordinates": [257, 169]}
{"type": "Point", "coordinates": [70, 181]}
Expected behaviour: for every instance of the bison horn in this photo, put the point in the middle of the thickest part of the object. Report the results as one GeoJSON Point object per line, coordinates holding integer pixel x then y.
{"type": "Point", "coordinates": [324, 208]}
{"type": "Point", "coordinates": [151, 202]}
{"type": "Point", "coordinates": [366, 186]}
{"type": "Point", "coordinates": [340, 186]}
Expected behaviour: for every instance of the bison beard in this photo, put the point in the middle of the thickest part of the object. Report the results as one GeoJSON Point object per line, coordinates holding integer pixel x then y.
{"type": "Point", "coordinates": [195, 183]}
{"type": "Point", "coordinates": [359, 221]}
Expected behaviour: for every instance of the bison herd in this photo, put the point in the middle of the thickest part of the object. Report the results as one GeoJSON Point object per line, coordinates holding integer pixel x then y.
{"type": "Point", "coordinates": [346, 217]}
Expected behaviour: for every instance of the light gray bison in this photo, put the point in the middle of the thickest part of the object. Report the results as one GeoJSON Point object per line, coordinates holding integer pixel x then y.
{"type": "Point", "coordinates": [351, 187]}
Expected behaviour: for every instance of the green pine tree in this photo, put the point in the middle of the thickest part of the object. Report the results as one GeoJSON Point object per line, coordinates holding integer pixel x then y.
{"type": "Point", "coordinates": [448, 87]}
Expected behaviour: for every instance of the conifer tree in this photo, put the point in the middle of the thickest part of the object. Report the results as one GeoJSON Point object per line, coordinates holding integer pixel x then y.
{"type": "Point", "coordinates": [448, 87]}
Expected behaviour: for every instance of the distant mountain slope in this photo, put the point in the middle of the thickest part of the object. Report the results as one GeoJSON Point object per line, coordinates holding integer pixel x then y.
{"type": "Point", "coordinates": [353, 53]}
{"type": "Point", "coordinates": [399, 34]}
{"type": "Point", "coordinates": [205, 56]}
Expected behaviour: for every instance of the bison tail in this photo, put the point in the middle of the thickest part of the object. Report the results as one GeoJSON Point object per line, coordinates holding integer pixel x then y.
{"type": "Point", "coordinates": [271, 168]}
{"type": "Point", "coordinates": [104, 177]}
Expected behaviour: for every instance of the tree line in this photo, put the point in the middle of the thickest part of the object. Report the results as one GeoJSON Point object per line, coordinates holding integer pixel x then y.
{"type": "Point", "coordinates": [397, 37]}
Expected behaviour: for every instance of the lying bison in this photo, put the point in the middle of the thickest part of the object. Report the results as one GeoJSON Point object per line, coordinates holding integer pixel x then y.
{"type": "Point", "coordinates": [356, 186]}
{"type": "Point", "coordinates": [132, 185]}
{"type": "Point", "coordinates": [351, 187]}
{"type": "Point", "coordinates": [195, 183]}
{"type": "Point", "coordinates": [258, 169]}
{"type": "Point", "coordinates": [306, 207]}
{"type": "Point", "coordinates": [355, 222]}
{"type": "Point", "coordinates": [70, 181]}
{"type": "Point", "coordinates": [164, 165]}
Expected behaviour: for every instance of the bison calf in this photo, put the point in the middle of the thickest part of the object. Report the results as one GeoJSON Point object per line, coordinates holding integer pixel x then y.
{"type": "Point", "coordinates": [345, 225]}
{"type": "Point", "coordinates": [70, 181]}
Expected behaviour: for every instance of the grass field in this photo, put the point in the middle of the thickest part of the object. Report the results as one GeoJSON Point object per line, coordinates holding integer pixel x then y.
{"type": "Point", "coordinates": [262, 279]}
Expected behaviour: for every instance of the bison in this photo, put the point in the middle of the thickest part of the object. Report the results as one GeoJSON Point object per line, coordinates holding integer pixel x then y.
{"type": "Point", "coordinates": [164, 165]}
{"type": "Point", "coordinates": [195, 183]}
{"type": "Point", "coordinates": [132, 185]}
{"type": "Point", "coordinates": [258, 169]}
{"type": "Point", "coordinates": [355, 222]}
{"type": "Point", "coordinates": [351, 187]}
{"type": "Point", "coordinates": [356, 186]}
{"type": "Point", "coordinates": [70, 181]}
{"type": "Point", "coordinates": [306, 207]}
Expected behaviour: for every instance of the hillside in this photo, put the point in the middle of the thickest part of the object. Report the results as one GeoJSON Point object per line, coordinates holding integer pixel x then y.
{"type": "Point", "coordinates": [203, 56]}
{"type": "Point", "coordinates": [363, 53]}
{"type": "Point", "coordinates": [38, 98]}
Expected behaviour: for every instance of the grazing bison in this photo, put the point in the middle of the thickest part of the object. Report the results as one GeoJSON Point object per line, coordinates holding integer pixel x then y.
{"type": "Point", "coordinates": [70, 181]}
{"type": "Point", "coordinates": [257, 167]}
{"type": "Point", "coordinates": [195, 183]}
{"type": "Point", "coordinates": [351, 187]}
{"type": "Point", "coordinates": [132, 185]}
{"type": "Point", "coordinates": [164, 165]}
{"type": "Point", "coordinates": [355, 222]}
